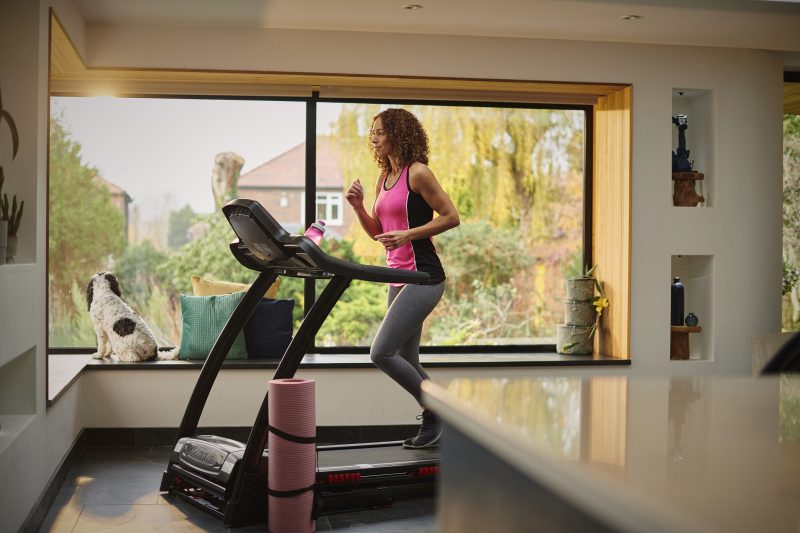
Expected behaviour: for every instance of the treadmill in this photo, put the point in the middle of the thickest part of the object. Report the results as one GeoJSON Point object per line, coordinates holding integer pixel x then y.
{"type": "Point", "coordinates": [228, 478]}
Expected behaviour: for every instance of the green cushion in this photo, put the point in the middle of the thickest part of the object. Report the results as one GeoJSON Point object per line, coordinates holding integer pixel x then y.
{"type": "Point", "coordinates": [203, 320]}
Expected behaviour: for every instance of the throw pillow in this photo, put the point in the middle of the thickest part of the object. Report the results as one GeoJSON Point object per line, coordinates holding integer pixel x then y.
{"type": "Point", "coordinates": [203, 320]}
{"type": "Point", "coordinates": [268, 332]}
{"type": "Point", "coordinates": [209, 287]}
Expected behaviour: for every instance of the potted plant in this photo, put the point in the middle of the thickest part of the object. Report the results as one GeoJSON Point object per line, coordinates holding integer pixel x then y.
{"type": "Point", "coordinates": [3, 224]}
{"type": "Point", "coordinates": [582, 312]}
{"type": "Point", "coordinates": [12, 220]}
{"type": "Point", "coordinates": [5, 221]}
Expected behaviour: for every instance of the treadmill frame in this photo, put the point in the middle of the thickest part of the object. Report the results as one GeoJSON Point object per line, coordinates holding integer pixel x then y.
{"type": "Point", "coordinates": [281, 253]}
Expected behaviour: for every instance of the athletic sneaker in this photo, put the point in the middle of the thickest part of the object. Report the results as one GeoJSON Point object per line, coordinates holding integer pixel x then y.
{"type": "Point", "coordinates": [429, 432]}
{"type": "Point", "coordinates": [408, 442]}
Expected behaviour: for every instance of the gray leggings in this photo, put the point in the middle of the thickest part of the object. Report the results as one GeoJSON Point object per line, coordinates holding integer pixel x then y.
{"type": "Point", "coordinates": [395, 349]}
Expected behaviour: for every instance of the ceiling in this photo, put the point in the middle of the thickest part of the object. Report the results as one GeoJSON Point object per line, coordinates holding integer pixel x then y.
{"type": "Point", "coordinates": [759, 24]}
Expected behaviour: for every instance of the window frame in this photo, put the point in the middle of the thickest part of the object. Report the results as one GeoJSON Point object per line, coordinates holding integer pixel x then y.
{"type": "Point", "coordinates": [588, 181]}
{"type": "Point", "coordinates": [309, 206]}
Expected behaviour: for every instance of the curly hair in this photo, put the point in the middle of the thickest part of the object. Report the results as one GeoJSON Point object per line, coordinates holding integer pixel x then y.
{"type": "Point", "coordinates": [408, 138]}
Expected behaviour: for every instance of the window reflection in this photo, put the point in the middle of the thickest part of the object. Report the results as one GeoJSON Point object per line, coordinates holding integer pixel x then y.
{"type": "Point", "coordinates": [574, 418]}
{"type": "Point", "coordinates": [789, 408]}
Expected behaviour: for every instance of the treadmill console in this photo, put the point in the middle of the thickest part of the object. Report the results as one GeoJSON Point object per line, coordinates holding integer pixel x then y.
{"type": "Point", "coordinates": [264, 245]}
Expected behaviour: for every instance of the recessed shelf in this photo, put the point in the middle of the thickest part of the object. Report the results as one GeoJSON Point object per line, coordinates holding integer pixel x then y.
{"type": "Point", "coordinates": [16, 267]}
{"type": "Point", "coordinates": [696, 273]}
{"type": "Point", "coordinates": [696, 105]}
{"type": "Point", "coordinates": [18, 385]}
{"type": "Point", "coordinates": [11, 426]}
{"type": "Point", "coordinates": [17, 325]}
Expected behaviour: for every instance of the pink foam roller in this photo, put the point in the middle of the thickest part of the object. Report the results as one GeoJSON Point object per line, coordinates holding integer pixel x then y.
{"type": "Point", "coordinates": [291, 465]}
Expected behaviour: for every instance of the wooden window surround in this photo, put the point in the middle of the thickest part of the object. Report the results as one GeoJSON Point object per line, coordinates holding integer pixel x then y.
{"type": "Point", "coordinates": [612, 103]}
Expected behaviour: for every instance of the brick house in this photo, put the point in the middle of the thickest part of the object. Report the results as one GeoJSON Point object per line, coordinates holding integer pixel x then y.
{"type": "Point", "coordinates": [119, 197]}
{"type": "Point", "coordinates": [279, 185]}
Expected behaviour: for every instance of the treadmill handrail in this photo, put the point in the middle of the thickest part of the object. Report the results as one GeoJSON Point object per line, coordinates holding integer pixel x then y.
{"type": "Point", "coordinates": [297, 253]}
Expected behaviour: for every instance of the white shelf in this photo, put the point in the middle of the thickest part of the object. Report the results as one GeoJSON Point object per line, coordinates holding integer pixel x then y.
{"type": "Point", "coordinates": [697, 276]}
{"type": "Point", "coordinates": [11, 426]}
{"type": "Point", "coordinates": [698, 106]}
{"type": "Point", "coordinates": [20, 296]}
{"type": "Point", "coordinates": [10, 268]}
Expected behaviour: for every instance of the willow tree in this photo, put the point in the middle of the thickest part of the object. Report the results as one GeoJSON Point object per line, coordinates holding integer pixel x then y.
{"type": "Point", "coordinates": [519, 170]}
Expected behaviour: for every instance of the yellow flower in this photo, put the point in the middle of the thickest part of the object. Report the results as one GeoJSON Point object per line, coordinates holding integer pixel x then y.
{"type": "Point", "coordinates": [599, 303]}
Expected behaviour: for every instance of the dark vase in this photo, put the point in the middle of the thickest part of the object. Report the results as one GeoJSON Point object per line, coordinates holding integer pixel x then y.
{"type": "Point", "coordinates": [691, 320]}
{"type": "Point", "coordinates": [676, 300]}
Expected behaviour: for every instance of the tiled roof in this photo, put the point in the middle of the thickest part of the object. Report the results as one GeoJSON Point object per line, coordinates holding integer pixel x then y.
{"type": "Point", "coordinates": [113, 188]}
{"type": "Point", "coordinates": [288, 169]}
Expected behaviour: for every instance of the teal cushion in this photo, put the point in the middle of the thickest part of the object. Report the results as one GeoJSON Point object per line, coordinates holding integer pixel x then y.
{"type": "Point", "coordinates": [203, 320]}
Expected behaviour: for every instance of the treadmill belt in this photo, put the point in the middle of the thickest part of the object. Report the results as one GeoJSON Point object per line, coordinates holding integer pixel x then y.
{"type": "Point", "coordinates": [385, 455]}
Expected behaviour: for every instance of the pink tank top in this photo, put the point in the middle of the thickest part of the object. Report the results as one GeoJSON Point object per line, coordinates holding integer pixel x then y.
{"type": "Point", "coordinates": [400, 208]}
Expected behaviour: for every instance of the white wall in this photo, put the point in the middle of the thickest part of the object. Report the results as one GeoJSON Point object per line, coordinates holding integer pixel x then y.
{"type": "Point", "coordinates": [742, 229]}
{"type": "Point", "coordinates": [30, 454]}
{"type": "Point", "coordinates": [344, 397]}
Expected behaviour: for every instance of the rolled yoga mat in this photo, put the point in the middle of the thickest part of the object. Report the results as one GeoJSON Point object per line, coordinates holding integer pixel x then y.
{"type": "Point", "coordinates": [292, 455]}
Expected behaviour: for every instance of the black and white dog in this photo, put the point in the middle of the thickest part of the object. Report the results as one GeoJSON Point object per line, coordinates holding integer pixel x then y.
{"type": "Point", "coordinates": [119, 329]}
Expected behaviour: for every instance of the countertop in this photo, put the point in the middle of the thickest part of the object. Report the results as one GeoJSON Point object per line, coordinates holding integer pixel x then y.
{"type": "Point", "coordinates": [645, 454]}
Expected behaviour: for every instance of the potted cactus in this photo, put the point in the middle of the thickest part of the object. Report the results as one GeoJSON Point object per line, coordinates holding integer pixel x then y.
{"type": "Point", "coordinates": [13, 219]}
{"type": "Point", "coordinates": [7, 223]}
{"type": "Point", "coordinates": [3, 224]}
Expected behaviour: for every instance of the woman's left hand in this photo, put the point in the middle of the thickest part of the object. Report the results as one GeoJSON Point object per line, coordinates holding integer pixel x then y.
{"type": "Point", "coordinates": [392, 240]}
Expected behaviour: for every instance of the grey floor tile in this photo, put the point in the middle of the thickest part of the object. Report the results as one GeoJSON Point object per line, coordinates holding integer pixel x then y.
{"type": "Point", "coordinates": [404, 516]}
{"type": "Point", "coordinates": [117, 489]}
{"type": "Point", "coordinates": [61, 518]}
{"type": "Point", "coordinates": [113, 489]}
{"type": "Point", "coordinates": [138, 518]}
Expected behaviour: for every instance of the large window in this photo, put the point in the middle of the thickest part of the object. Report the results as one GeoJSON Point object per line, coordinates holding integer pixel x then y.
{"type": "Point", "coordinates": [135, 187]}
{"type": "Point", "coordinates": [517, 178]}
{"type": "Point", "coordinates": [791, 222]}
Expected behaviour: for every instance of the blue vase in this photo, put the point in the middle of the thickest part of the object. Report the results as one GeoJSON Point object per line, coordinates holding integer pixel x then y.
{"type": "Point", "coordinates": [676, 302]}
{"type": "Point", "coordinates": [691, 320]}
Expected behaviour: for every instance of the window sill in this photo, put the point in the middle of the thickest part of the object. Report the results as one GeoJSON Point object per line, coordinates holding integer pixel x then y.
{"type": "Point", "coordinates": [64, 369]}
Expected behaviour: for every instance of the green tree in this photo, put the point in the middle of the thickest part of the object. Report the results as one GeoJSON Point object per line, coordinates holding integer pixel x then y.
{"type": "Point", "coordinates": [479, 252]}
{"type": "Point", "coordinates": [791, 217]}
{"type": "Point", "coordinates": [357, 315]}
{"type": "Point", "coordinates": [137, 270]}
{"type": "Point", "coordinates": [85, 227]}
{"type": "Point", "coordinates": [208, 255]}
{"type": "Point", "coordinates": [178, 229]}
{"type": "Point", "coordinates": [516, 178]}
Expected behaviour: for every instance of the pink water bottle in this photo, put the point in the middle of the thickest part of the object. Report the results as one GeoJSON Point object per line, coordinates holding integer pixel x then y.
{"type": "Point", "coordinates": [315, 231]}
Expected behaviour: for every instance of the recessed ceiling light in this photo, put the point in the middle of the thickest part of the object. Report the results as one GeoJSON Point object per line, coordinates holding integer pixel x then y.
{"type": "Point", "coordinates": [412, 7]}
{"type": "Point", "coordinates": [631, 17]}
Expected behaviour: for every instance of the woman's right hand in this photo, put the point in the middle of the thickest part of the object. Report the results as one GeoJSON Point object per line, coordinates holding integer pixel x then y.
{"type": "Point", "coordinates": [355, 194]}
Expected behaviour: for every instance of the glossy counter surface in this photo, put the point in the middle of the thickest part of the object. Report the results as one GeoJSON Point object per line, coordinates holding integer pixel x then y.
{"type": "Point", "coordinates": [644, 454]}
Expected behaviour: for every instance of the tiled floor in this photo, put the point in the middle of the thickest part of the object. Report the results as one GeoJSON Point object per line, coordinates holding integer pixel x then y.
{"type": "Point", "coordinates": [116, 489]}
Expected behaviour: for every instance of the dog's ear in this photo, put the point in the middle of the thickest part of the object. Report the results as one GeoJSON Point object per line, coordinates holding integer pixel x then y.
{"type": "Point", "coordinates": [113, 284]}
{"type": "Point", "coordinates": [89, 294]}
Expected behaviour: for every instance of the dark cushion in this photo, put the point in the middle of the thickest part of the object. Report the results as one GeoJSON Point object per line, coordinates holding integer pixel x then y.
{"type": "Point", "coordinates": [203, 320]}
{"type": "Point", "coordinates": [269, 330]}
